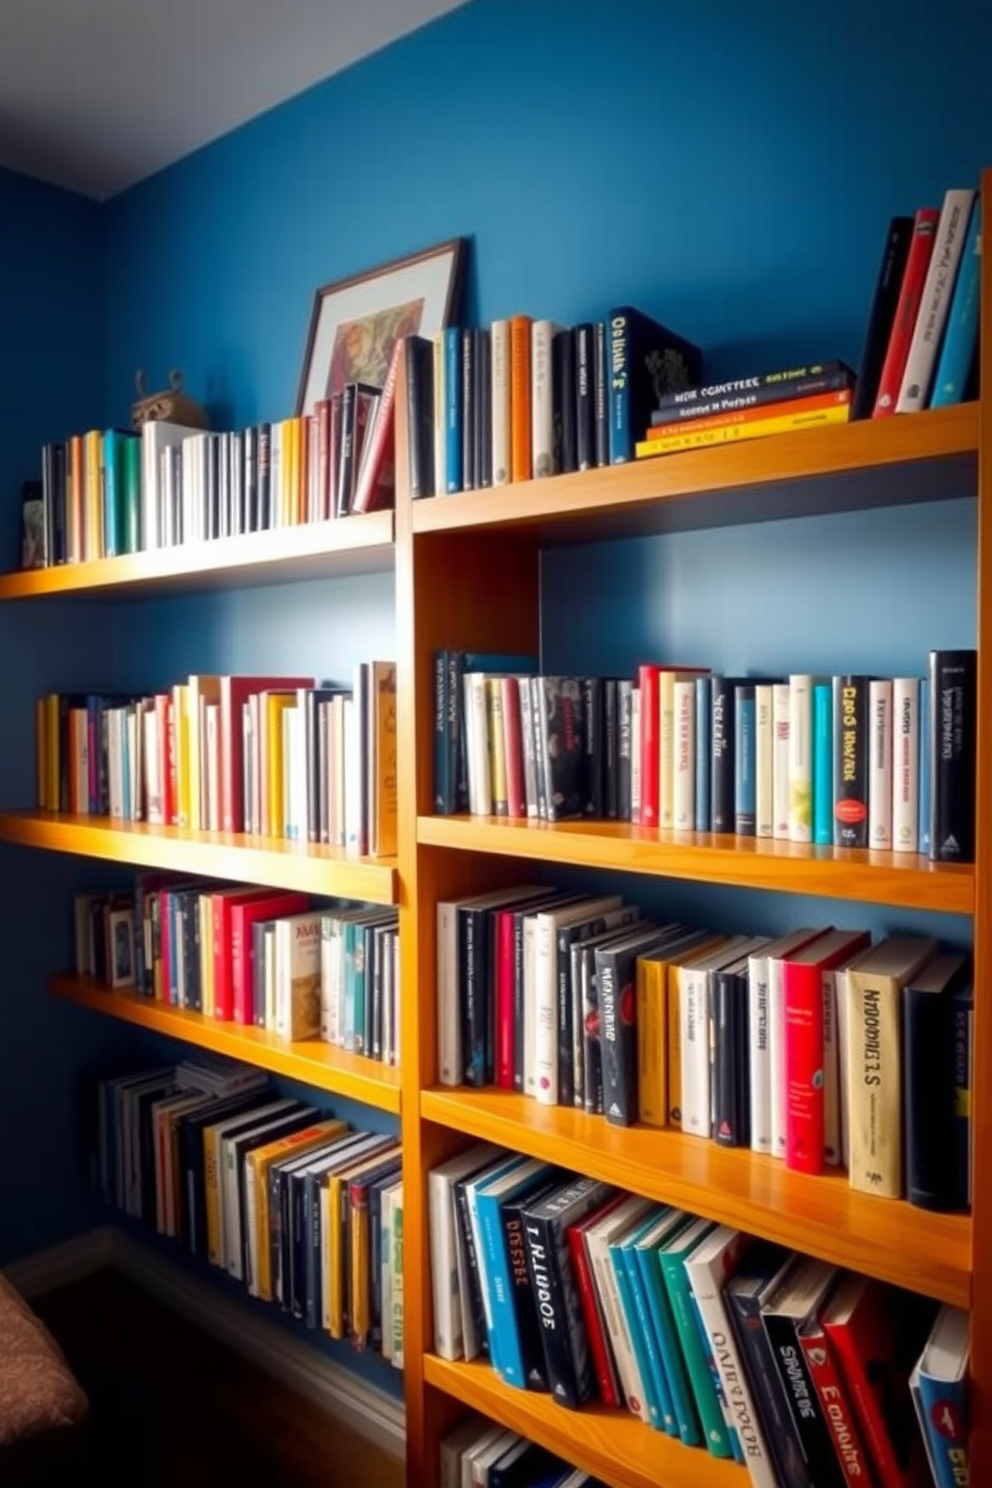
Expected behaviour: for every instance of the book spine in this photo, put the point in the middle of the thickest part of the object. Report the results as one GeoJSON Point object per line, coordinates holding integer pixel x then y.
{"type": "Point", "coordinates": [731, 1099]}
{"type": "Point", "coordinates": [905, 764]}
{"type": "Point", "coordinates": [767, 387]}
{"type": "Point", "coordinates": [881, 315]}
{"type": "Point", "coordinates": [617, 1035]}
{"type": "Point", "coordinates": [745, 762]}
{"type": "Point", "coordinates": [835, 1407]}
{"type": "Point", "coordinates": [690, 1337]}
{"type": "Point", "coordinates": [764, 760]}
{"type": "Point", "coordinates": [880, 763]}
{"type": "Point", "coordinates": [759, 1361]}
{"type": "Point", "coordinates": [957, 357]}
{"type": "Point", "coordinates": [500, 332]}
{"type": "Point", "coordinates": [601, 381]}
{"type": "Point", "coordinates": [542, 404]}
{"type": "Point", "coordinates": [945, 1410]}
{"type": "Point", "coordinates": [685, 754]}
{"type": "Point", "coordinates": [823, 782]}
{"type": "Point", "coordinates": [648, 743]}
{"type": "Point", "coordinates": [803, 1401]}
{"type": "Point", "coordinates": [695, 1051]}
{"type": "Point", "coordinates": [568, 1387]}
{"type": "Point", "coordinates": [952, 231]}
{"type": "Point", "coordinates": [952, 678]}
{"type": "Point", "coordinates": [907, 309]}
{"type": "Point", "coordinates": [564, 395]}
{"type": "Point", "coordinates": [722, 773]}
{"type": "Point", "coordinates": [453, 409]}
{"type": "Point", "coordinates": [702, 734]}
{"type": "Point", "coordinates": [800, 757]}
{"type": "Point", "coordinates": [781, 712]}
{"type": "Point", "coordinates": [759, 1055]}
{"type": "Point", "coordinates": [850, 774]}
{"type": "Point", "coordinates": [875, 1085]}
{"type": "Point", "coordinates": [929, 1092]}
{"type": "Point", "coordinates": [585, 397]}
{"type": "Point", "coordinates": [963, 1053]}
{"type": "Point", "coordinates": [468, 414]}
{"type": "Point", "coordinates": [521, 444]}
{"type": "Point", "coordinates": [804, 1121]}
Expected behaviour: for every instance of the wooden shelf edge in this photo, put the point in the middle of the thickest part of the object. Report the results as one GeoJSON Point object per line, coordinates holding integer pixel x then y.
{"type": "Point", "coordinates": [799, 457]}
{"type": "Point", "coordinates": [821, 1216]}
{"type": "Point", "coordinates": [311, 1061]}
{"type": "Point", "coordinates": [610, 1444]}
{"type": "Point", "coordinates": [306, 867]}
{"type": "Point", "coordinates": [362, 541]}
{"type": "Point", "coordinates": [905, 880]}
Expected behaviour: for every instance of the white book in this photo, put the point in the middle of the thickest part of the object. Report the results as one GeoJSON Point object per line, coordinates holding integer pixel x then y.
{"type": "Point", "coordinates": [598, 1239]}
{"type": "Point", "coordinates": [905, 764]}
{"type": "Point", "coordinates": [545, 1002]}
{"type": "Point", "coordinates": [501, 401]}
{"type": "Point", "coordinates": [948, 245]}
{"type": "Point", "coordinates": [708, 1268]}
{"type": "Point", "coordinates": [801, 757]}
{"type": "Point", "coordinates": [542, 417]}
{"type": "Point", "coordinates": [694, 1012]}
{"type": "Point", "coordinates": [880, 762]}
{"type": "Point", "coordinates": [356, 763]}
{"type": "Point", "coordinates": [157, 435]}
{"type": "Point", "coordinates": [762, 1036]}
{"type": "Point", "coordinates": [684, 790]}
{"type": "Point", "coordinates": [635, 754]}
{"type": "Point", "coordinates": [480, 799]}
{"type": "Point", "coordinates": [469, 1456]}
{"type": "Point", "coordinates": [484, 1459]}
{"type": "Point", "coordinates": [781, 706]}
{"type": "Point", "coordinates": [764, 750]}
{"type": "Point", "coordinates": [440, 413]}
{"type": "Point", "coordinates": [153, 770]}
{"type": "Point", "coordinates": [446, 1282]}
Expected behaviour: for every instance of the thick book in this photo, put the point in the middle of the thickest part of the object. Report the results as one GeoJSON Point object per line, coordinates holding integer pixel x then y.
{"type": "Point", "coordinates": [835, 1401]}
{"type": "Point", "coordinates": [646, 361]}
{"type": "Point", "coordinates": [939, 1386]}
{"type": "Point", "coordinates": [958, 357]}
{"type": "Point", "coordinates": [801, 1290]}
{"type": "Point", "coordinates": [907, 309]}
{"type": "Point", "coordinates": [928, 1085]}
{"type": "Point", "coordinates": [928, 333]}
{"type": "Point", "coordinates": [953, 684]}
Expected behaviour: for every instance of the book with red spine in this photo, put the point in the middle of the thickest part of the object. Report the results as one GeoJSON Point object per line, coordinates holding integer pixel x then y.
{"type": "Point", "coordinates": [244, 914]}
{"type": "Point", "coordinates": [223, 903]}
{"type": "Point", "coordinates": [599, 1346]}
{"type": "Point", "coordinates": [513, 749]}
{"type": "Point", "coordinates": [375, 482]}
{"type": "Point", "coordinates": [233, 693]}
{"type": "Point", "coordinates": [907, 308]}
{"type": "Point", "coordinates": [835, 1401]}
{"type": "Point", "coordinates": [649, 744]}
{"type": "Point", "coordinates": [503, 996]}
{"type": "Point", "coordinates": [802, 980]}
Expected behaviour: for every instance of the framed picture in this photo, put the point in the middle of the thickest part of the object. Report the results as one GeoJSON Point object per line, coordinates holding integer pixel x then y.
{"type": "Point", "coordinates": [121, 950]}
{"type": "Point", "coordinates": [356, 322]}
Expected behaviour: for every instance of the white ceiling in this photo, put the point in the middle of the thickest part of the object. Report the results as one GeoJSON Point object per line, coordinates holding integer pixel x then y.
{"type": "Point", "coordinates": [97, 94]}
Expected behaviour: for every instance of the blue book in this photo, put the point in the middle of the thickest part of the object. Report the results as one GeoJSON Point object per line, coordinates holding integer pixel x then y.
{"type": "Point", "coordinates": [646, 1376]}
{"type": "Point", "coordinates": [453, 408]}
{"type": "Point", "coordinates": [509, 1183]}
{"type": "Point", "coordinates": [745, 761]}
{"type": "Point", "coordinates": [704, 693]}
{"type": "Point", "coordinates": [941, 1377]}
{"type": "Point", "coordinates": [633, 1295]}
{"type": "Point", "coordinates": [925, 751]}
{"type": "Point", "coordinates": [663, 1322]}
{"type": "Point", "coordinates": [823, 776]}
{"type": "Point", "coordinates": [961, 332]}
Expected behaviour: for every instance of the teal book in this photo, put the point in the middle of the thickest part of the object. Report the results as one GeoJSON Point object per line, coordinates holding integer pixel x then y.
{"type": "Point", "coordinates": [957, 357]}
{"type": "Point", "coordinates": [663, 1321]}
{"type": "Point", "coordinates": [672, 1258]}
{"type": "Point", "coordinates": [823, 778]}
{"type": "Point", "coordinates": [633, 1297]}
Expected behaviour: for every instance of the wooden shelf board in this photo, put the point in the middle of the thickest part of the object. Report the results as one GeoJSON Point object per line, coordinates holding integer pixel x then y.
{"type": "Point", "coordinates": [919, 457]}
{"type": "Point", "coordinates": [310, 1061]}
{"type": "Point", "coordinates": [823, 1216]}
{"type": "Point", "coordinates": [359, 544]}
{"type": "Point", "coordinates": [610, 1444]}
{"type": "Point", "coordinates": [306, 867]}
{"type": "Point", "coordinates": [902, 879]}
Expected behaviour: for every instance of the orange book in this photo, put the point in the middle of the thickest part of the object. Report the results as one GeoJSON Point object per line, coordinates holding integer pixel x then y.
{"type": "Point", "coordinates": [520, 409]}
{"type": "Point", "coordinates": [785, 406]}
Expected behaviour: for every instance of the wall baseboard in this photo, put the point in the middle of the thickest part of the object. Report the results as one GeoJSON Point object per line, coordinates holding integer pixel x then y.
{"type": "Point", "coordinates": [371, 1412]}
{"type": "Point", "coordinates": [62, 1264]}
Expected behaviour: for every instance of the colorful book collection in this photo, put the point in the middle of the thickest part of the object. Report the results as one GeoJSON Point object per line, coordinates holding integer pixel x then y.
{"type": "Point", "coordinates": [817, 1048]}
{"type": "Point", "coordinates": [477, 1452]}
{"type": "Point", "coordinates": [280, 757]}
{"type": "Point", "coordinates": [760, 1355]}
{"type": "Point", "coordinates": [114, 491]}
{"type": "Point", "coordinates": [834, 761]}
{"type": "Point", "coordinates": [261, 958]}
{"type": "Point", "coordinates": [524, 398]}
{"type": "Point", "coordinates": [303, 1210]}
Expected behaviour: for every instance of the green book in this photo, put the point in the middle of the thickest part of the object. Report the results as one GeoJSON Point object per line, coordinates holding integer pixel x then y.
{"type": "Point", "coordinates": [672, 1258]}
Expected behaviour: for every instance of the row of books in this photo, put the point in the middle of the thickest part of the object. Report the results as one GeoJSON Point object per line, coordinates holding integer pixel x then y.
{"type": "Point", "coordinates": [478, 1454]}
{"type": "Point", "coordinates": [262, 958]}
{"type": "Point", "coordinates": [275, 756]}
{"type": "Point", "coordinates": [843, 761]}
{"type": "Point", "coordinates": [525, 397]}
{"type": "Point", "coordinates": [108, 492]}
{"type": "Point", "coordinates": [817, 1048]}
{"type": "Point", "coordinates": [304, 1211]}
{"type": "Point", "coordinates": [759, 1354]}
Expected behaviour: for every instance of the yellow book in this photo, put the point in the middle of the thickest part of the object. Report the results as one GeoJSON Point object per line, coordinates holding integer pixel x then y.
{"type": "Point", "coordinates": [652, 1018]}
{"type": "Point", "coordinates": [751, 429]}
{"type": "Point", "coordinates": [93, 511]}
{"type": "Point", "coordinates": [180, 725]}
{"type": "Point", "coordinates": [382, 835]}
{"type": "Point", "coordinates": [497, 747]}
{"type": "Point", "coordinates": [257, 1165]}
{"type": "Point", "coordinates": [276, 703]}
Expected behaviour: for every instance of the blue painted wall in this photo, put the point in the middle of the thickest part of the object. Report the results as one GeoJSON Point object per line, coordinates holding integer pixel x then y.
{"type": "Point", "coordinates": [723, 166]}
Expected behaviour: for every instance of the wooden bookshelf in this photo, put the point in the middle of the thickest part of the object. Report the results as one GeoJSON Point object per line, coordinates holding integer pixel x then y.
{"type": "Point", "coordinates": [610, 1444]}
{"type": "Point", "coordinates": [349, 545]}
{"type": "Point", "coordinates": [306, 867]}
{"type": "Point", "coordinates": [310, 1061]}
{"type": "Point", "coordinates": [824, 1216]}
{"type": "Point", "coordinates": [930, 457]}
{"type": "Point", "coordinates": [902, 879]}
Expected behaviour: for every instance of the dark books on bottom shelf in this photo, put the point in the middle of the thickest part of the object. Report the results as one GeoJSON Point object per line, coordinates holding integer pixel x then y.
{"type": "Point", "coordinates": [804, 1372]}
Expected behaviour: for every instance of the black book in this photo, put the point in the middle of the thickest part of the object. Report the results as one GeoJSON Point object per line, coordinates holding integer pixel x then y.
{"type": "Point", "coordinates": [190, 1128]}
{"type": "Point", "coordinates": [469, 409]}
{"type": "Point", "coordinates": [585, 397]}
{"type": "Point", "coordinates": [723, 776]}
{"type": "Point", "coordinates": [567, 937]}
{"type": "Point", "coordinates": [559, 747]}
{"type": "Point", "coordinates": [476, 1307]}
{"type": "Point", "coordinates": [763, 1265]}
{"type": "Point", "coordinates": [419, 354]}
{"type": "Point", "coordinates": [616, 968]}
{"type": "Point", "coordinates": [646, 361]}
{"type": "Point", "coordinates": [802, 1290]}
{"type": "Point", "coordinates": [953, 727]}
{"type": "Point", "coordinates": [609, 770]}
{"type": "Point", "coordinates": [563, 1334]}
{"type": "Point", "coordinates": [564, 394]}
{"type": "Point", "coordinates": [964, 1013]}
{"type": "Point", "coordinates": [625, 747]}
{"type": "Point", "coordinates": [731, 1083]}
{"type": "Point", "coordinates": [60, 521]}
{"type": "Point", "coordinates": [594, 803]}
{"type": "Point", "coordinates": [522, 1293]}
{"type": "Point", "coordinates": [263, 476]}
{"type": "Point", "coordinates": [600, 384]}
{"type": "Point", "coordinates": [745, 760]}
{"type": "Point", "coordinates": [881, 315]}
{"type": "Point", "coordinates": [850, 772]}
{"type": "Point", "coordinates": [929, 1081]}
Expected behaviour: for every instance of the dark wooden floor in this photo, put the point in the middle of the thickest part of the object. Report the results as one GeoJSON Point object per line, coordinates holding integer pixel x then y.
{"type": "Point", "coordinates": [171, 1408]}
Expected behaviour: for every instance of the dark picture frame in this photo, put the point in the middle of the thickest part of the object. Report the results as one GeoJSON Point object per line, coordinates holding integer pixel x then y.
{"type": "Point", "coordinates": [356, 322]}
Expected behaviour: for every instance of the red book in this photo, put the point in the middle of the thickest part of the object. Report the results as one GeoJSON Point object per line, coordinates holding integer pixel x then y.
{"type": "Point", "coordinates": [602, 1356]}
{"type": "Point", "coordinates": [649, 744]}
{"type": "Point", "coordinates": [503, 998]}
{"type": "Point", "coordinates": [233, 692]}
{"type": "Point", "coordinates": [835, 1403]}
{"type": "Point", "coordinates": [374, 488]}
{"type": "Point", "coordinates": [802, 987]}
{"type": "Point", "coordinates": [223, 903]}
{"type": "Point", "coordinates": [513, 748]}
{"type": "Point", "coordinates": [907, 308]}
{"type": "Point", "coordinates": [875, 1334]}
{"type": "Point", "coordinates": [244, 913]}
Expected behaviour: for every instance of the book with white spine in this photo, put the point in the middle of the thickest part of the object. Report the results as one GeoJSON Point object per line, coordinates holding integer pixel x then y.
{"type": "Point", "coordinates": [542, 414]}
{"type": "Point", "coordinates": [905, 764]}
{"type": "Point", "coordinates": [780, 760]}
{"type": "Point", "coordinates": [764, 760]}
{"type": "Point", "coordinates": [694, 1012]}
{"type": "Point", "coordinates": [544, 1013]}
{"type": "Point", "coordinates": [684, 751]}
{"type": "Point", "coordinates": [765, 1037]}
{"type": "Point", "coordinates": [928, 333]}
{"type": "Point", "coordinates": [880, 763]}
{"type": "Point", "coordinates": [501, 401]}
{"type": "Point", "coordinates": [445, 1280]}
{"type": "Point", "coordinates": [801, 757]}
